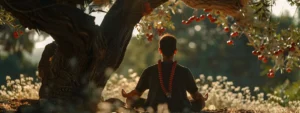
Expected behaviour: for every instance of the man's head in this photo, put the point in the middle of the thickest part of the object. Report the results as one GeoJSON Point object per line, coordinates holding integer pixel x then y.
{"type": "Point", "coordinates": [167, 45]}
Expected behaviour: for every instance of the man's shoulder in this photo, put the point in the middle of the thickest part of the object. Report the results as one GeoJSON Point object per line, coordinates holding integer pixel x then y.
{"type": "Point", "coordinates": [154, 66]}
{"type": "Point", "coordinates": [179, 66]}
{"type": "Point", "coordinates": [182, 67]}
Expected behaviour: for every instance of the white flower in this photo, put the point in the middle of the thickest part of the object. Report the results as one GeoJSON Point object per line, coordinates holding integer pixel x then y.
{"type": "Point", "coordinates": [210, 78]}
{"type": "Point", "coordinates": [224, 78]}
{"type": "Point", "coordinates": [261, 94]}
{"type": "Point", "coordinates": [21, 75]}
{"type": "Point", "coordinates": [229, 83]}
{"type": "Point", "coordinates": [237, 89]}
{"type": "Point", "coordinates": [212, 107]}
{"type": "Point", "coordinates": [30, 79]}
{"type": "Point", "coordinates": [22, 80]}
{"type": "Point", "coordinates": [219, 78]}
{"type": "Point", "coordinates": [8, 78]}
{"type": "Point", "coordinates": [247, 91]}
{"type": "Point", "coordinates": [37, 73]}
{"type": "Point", "coordinates": [2, 86]}
{"type": "Point", "coordinates": [197, 80]}
{"type": "Point", "coordinates": [17, 81]}
{"type": "Point", "coordinates": [202, 76]}
{"type": "Point", "coordinates": [232, 87]}
{"type": "Point", "coordinates": [133, 75]}
{"type": "Point", "coordinates": [204, 87]}
{"type": "Point", "coordinates": [130, 70]}
{"type": "Point", "coordinates": [256, 89]}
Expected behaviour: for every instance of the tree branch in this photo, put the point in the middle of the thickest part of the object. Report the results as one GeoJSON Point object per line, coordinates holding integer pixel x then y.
{"type": "Point", "coordinates": [231, 7]}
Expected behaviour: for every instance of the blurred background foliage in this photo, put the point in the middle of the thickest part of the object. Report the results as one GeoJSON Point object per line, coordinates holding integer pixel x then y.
{"type": "Point", "coordinates": [201, 47]}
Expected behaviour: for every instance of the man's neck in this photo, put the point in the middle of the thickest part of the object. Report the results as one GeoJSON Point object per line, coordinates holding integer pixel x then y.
{"type": "Point", "coordinates": [167, 59]}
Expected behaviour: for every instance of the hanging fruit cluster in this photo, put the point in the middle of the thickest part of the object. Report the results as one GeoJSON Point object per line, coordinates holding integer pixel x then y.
{"type": "Point", "coordinates": [7, 19]}
{"type": "Point", "coordinates": [193, 18]}
{"type": "Point", "coordinates": [281, 48]}
{"type": "Point", "coordinates": [271, 73]}
{"type": "Point", "coordinates": [149, 28]}
{"type": "Point", "coordinates": [17, 34]}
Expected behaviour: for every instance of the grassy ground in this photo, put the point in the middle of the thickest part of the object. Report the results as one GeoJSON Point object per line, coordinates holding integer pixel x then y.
{"type": "Point", "coordinates": [11, 106]}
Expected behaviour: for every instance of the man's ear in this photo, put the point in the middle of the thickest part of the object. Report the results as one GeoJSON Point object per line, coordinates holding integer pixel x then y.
{"type": "Point", "coordinates": [159, 50]}
{"type": "Point", "coordinates": [175, 51]}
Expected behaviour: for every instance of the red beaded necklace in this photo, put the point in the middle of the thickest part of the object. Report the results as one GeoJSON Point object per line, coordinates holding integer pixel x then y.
{"type": "Point", "coordinates": [160, 76]}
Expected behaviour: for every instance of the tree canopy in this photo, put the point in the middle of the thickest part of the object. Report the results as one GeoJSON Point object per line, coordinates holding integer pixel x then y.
{"type": "Point", "coordinates": [253, 19]}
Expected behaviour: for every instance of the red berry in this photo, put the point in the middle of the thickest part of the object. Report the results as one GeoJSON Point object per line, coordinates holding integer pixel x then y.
{"type": "Point", "coordinates": [226, 29]}
{"type": "Point", "coordinates": [292, 48]}
{"type": "Point", "coordinates": [262, 47]}
{"type": "Point", "coordinates": [183, 22]}
{"type": "Point", "coordinates": [198, 19]}
{"type": "Point", "coordinates": [192, 18]}
{"type": "Point", "coordinates": [209, 16]}
{"type": "Point", "coordinates": [234, 34]}
{"type": "Point", "coordinates": [207, 10]}
{"type": "Point", "coordinates": [162, 29]}
{"type": "Point", "coordinates": [271, 71]}
{"type": "Point", "coordinates": [149, 35]}
{"type": "Point", "coordinates": [254, 52]}
{"type": "Point", "coordinates": [188, 22]}
{"type": "Point", "coordinates": [276, 53]}
{"type": "Point", "coordinates": [213, 20]}
{"type": "Point", "coordinates": [265, 60]}
{"type": "Point", "coordinates": [260, 57]}
{"type": "Point", "coordinates": [271, 75]}
{"type": "Point", "coordinates": [202, 17]}
{"type": "Point", "coordinates": [258, 52]}
{"type": "Point", "coordinates": [289, 70]}
{"type": "Point", "coordinates": [149, 39]}
{"type": "Point", "coordinates": [16, 35]}
{"type": "Point", "coordinates": [230, 42]}
{"type": "Point", "coordinates": [280, 51]}
{"type": "Point", "coordinates": [293, 44]}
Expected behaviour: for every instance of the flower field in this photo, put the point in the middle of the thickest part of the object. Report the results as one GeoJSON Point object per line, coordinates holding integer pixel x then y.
{"type": "Point", "coordinates": [223, 94]}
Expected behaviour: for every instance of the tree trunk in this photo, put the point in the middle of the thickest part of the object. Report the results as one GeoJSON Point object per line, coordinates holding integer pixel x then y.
{"type": "Point", "coordinates": [76, 66]}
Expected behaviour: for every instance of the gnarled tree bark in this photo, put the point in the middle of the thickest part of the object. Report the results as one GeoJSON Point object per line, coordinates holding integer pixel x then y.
{"type": "Point", "coordinates": [82, 51]}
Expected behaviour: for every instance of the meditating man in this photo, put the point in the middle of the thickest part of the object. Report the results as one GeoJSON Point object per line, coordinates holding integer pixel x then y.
{"type": "Point", "coordinates": [167, 82]}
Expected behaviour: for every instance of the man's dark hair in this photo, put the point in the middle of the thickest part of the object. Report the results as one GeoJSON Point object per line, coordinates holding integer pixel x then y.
{"type": "Point", "coordinates": [167, 44]}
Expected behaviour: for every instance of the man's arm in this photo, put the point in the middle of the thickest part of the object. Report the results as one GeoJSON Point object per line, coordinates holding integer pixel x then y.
{"type": "Point", "coordinates": [192, 88]}
{"type": "Point", "coordinates": [140, 87]}
{"type": "Point", "coordinates": [143, 82]}
{"type": "Point", "coordinates": [135, 94]}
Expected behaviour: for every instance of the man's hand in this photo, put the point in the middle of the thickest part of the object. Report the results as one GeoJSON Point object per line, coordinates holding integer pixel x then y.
{"type": "Point", "coordinates": [131, 97]}
{"type": "Point", "coordinates": [198, 98]}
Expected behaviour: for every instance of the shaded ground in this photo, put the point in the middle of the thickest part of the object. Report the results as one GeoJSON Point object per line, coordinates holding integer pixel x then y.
{"type": "Point", "coordinates": [11, 106]}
